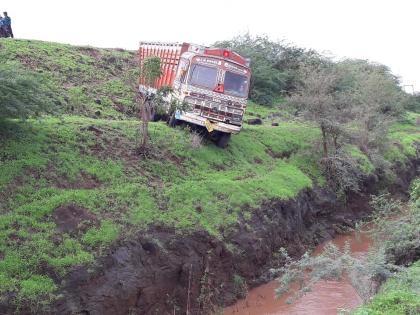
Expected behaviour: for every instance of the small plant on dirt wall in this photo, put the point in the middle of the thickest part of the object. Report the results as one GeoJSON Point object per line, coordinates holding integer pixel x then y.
{"type": "Point", "coordinates": [240, 286]}
{"type": "Point", "coordinates": [207, 291]}
{"type": "Point", "coordinates": [333, 264]}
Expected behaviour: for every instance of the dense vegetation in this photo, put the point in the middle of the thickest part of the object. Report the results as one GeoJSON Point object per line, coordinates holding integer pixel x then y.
{"type": "Point", "coordinates": [72, 183]}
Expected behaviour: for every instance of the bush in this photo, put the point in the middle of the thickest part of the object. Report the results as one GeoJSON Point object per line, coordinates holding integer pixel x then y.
{"type": "Point", "coordinates": [332, 264]}
{"type": "Point", "coordinates": [342, 173]}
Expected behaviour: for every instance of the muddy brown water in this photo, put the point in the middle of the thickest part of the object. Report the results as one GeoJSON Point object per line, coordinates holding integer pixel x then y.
{"type": "Point", "coordinates": [325, 298]}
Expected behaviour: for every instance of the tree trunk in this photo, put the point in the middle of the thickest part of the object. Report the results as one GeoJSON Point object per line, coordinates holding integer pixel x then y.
{"type": "Point", "coordinates": [335, 143]}
{"type": "Point", "coordinates": [324, 141]}
{"type": "Point", "coordinates": [145, 125]}
{"type": "Point", "coordinates": [144, 129]}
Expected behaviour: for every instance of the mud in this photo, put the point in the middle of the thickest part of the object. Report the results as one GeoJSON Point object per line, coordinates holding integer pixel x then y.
{"type": "Point", "coordinates": [161, 271]}
{"type": "Point", "coordinates": [324, 298]}
{"type": "Point", "coordinates": [73, 219]}
{"type": "Point", "coordinates": [83, 181]}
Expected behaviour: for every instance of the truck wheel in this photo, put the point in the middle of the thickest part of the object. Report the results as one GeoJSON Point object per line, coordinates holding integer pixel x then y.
{"type": "Point", "coordinates": [172, 121]}
{"type": "Point", "coordinates": [223, 140]}
{"type": "Point", "coordinates": [153, 116]}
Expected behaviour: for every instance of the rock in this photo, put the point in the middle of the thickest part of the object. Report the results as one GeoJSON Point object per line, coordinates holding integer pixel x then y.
{"type": "Point", "coordinates": [94, 129]}
{"type": "Point", "coordinates": [98, 101]}
{"type": "Point", "coordinates": [254, 121]}
{"type": "Point", "coordinates": [274, 124]}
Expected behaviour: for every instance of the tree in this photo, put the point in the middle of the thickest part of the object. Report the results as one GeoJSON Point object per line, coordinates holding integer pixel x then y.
{"type": "Point", "coordinates": [266, 81]}
{"type": "Point", "coordinates": [319, 102]}
{"type": "Point", "coordinates": [323, 99]}
{"type": "Point", "coordinates": [157, 104]}
{"type": "Point", "coordinates": [377, 100]}
{"type": "Point", "coordinates": [352, 102]}
{"type": "Point", "coordinates": [23, 93]}
{"type": "Point", "coordinates": [150, 71]}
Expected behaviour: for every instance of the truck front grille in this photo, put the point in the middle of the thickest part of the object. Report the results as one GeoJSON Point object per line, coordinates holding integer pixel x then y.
{"type": "Point", "coordinates": [217, 111]}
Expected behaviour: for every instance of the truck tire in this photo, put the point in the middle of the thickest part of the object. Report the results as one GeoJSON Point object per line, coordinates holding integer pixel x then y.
{"type": "Point", "coordinates": [153, 116]}
{"type": "Point", "coordinates": [173, 122]}
{"type": "Point", "coordinates": [223, 140]}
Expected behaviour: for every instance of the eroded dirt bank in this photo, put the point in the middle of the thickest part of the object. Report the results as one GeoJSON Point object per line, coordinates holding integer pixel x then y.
{"type": "Point", "coordinates": [162, 272]}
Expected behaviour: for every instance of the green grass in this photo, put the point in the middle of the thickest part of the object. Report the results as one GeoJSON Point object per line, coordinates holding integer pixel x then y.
{"type": "Point", "coordinates": [363, 162]}
{"type": "Point", "coordinates": [269, 114]}
{"type": "Point", "coordinates": [46, 164]}
{"type": "Point", "coordinates": [405, 136]}
{"type": "Point", "coordinates": [399, 295]}
{"type": "Point", "coordinates": [88, 161]}
{"type": "Point", "coordinates": [257, 110]}
{"type": "Point", "coordinates": [93, 81]}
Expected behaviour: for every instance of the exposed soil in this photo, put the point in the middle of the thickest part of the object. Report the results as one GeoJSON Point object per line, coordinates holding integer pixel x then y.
{"type": "Point", "coordinates": [279, 155]}
{"type": "Point", "coordinates": [112, 143]}
{"type": "Point", "coordinates": [91, 52]}
{"type": "Point", "coordinates": [72, 219]}
{"type": "Point", "coordinates": [83, 181]}
{"type": "Point", "coordinates": [158, 271]}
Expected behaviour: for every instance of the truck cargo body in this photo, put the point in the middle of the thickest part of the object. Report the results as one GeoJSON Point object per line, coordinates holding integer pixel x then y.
{"type": "Point", "coordinates": [213, 82]}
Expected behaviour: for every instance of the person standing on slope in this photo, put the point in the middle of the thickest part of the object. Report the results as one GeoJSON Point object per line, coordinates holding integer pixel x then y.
{"type": "Point", "coordinates": [7, 25]}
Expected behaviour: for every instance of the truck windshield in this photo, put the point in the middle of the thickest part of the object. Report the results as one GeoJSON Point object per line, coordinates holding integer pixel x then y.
{"type": "Point", "coordinates": [203, 76]}
{"type": "Point", "coordinates": [236, 84]}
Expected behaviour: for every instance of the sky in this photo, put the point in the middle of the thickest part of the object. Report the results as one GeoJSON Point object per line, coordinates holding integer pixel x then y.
{"type": "Point", "coordinates": [384, 31]}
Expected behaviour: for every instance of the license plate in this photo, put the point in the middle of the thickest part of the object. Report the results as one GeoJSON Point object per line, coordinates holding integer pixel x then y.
{"type": "Point", "coordinates": [209, 125]}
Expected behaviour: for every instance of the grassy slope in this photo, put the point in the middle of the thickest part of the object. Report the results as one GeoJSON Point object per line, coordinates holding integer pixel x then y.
{"type": "Point", "coordinates": [91, 81]}
{"type": "Point", "coordinates": [45, 164]}
{"type": "Point", "coordinates": [90, 163]}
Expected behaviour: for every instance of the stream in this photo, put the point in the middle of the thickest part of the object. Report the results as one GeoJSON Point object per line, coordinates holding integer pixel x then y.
{"type": "Point", "coordinates": [325, 298]}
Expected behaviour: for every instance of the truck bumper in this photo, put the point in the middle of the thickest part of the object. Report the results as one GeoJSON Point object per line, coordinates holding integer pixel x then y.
{"type": "Point", "coordinates": [217, 125]}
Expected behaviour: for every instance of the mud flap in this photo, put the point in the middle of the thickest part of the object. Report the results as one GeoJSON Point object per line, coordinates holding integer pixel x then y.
{"type": "Point", "coordinates": [208, 125]}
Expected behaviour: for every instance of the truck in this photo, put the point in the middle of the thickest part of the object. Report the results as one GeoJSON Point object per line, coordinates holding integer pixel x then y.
{"type": "Point", "coordinates": [213, 82]}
